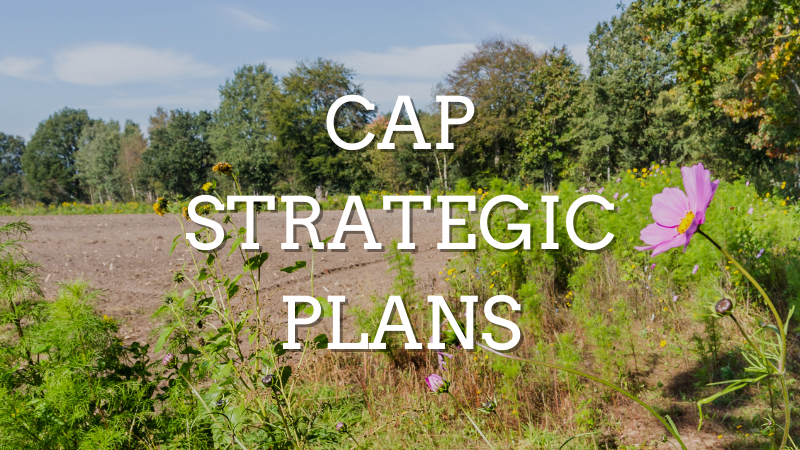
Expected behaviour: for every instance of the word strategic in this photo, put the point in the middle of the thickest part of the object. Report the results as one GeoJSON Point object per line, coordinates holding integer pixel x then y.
{"type": "Point", "coordinates": [355, 207]}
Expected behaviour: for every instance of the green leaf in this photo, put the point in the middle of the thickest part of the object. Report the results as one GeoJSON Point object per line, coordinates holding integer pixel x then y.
{"type": "Point", "coordinates": [203, 274]}
{"type": "Point", "coordinates": [232, 290]}
{"type": "Point", "coordinates": [321, 341]}
{"type": "Point", "coordinates": [278, 348]}
{"type": "Point", "coordinates": [327, 309]}
{"type": "Point", "coordinates": [235, 245]}
{"type": "Point", "coordinates": [297, 266]}
{"type": "Point", "coordinates": [174, 243]}
{"type": "Point", "coordinates": [256, 261]}
{"type": "Point", "coordinates": [303, 307]}
{"type": "Point", "coordinates": [283, 374]}
{"type": "Point", "coordinates": [163, 338]}
{"type": "Point", "coordinates": [325, 241]}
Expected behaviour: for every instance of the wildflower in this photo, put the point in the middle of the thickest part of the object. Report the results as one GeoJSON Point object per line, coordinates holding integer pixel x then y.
{"type": "Point", "coordinates": [160, 206]}
{"type": "Point", "coordinates": [750, 211]}
{"type": "Point", "coordinates": [437, 384]}
{"type": "Point", "coordinates": [662, 343]}
{"type": "Point", "coordinates": [674, 298]}
{"type": "Point", "coordinates": [724, 307]}
{"type": "Point", "coordinates": [600, 191]}
{"type": "Point", "coordinates": [624, 196]}
{"type": "Point", "coordinates": [168, 360]}
{"type": "Point", "coordinates": [696, 268]}
{"type": "Point", "coordinates": [208, 187]}
{"type": "Point", "coordinates": [760, 252]}
{"type": "Point", "coordinates": [663, 161]}
{"type": "Point", "coordinates": [747, 183]}
{"type": "Point", "coordinates": [653, 266]}
{"type": "Point", "coordinates": [185, 212]}
{"type": "Point", "coordinates": [635, 170]}
{"type": "Point", "coordinates": [616, 195]}
{"type": "Point", "coordinates": [677, 214]}
{"type": "Point", "coordinates": [440, 356]}
{"type": "Point", "coordinates": [341, 427]}
{"type": "Point", "coordinates": [783, 203]}
{"type": "Point", "coordinates": [223, 168]}
{"type": "Point", "coordinates": [619, 179]}
{"type": "Point", "coordinates": [488, 406]}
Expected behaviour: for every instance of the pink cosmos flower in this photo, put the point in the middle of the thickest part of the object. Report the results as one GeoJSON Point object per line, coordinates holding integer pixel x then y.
{"type": "Point", "coordinates": [696, 267]}
{"type": "Point", "coordinates": [437, 384]}
{"type": "Point", "coordinates": [750, 211]}
{"type": "Point", "coordinates": [747, 183]}
{"type": "Point", "coordinates": [600, 191]}
{"type": "Point", "coordinates": [677, 214]}
{"type": "Point", "coordinates": [616, 195]}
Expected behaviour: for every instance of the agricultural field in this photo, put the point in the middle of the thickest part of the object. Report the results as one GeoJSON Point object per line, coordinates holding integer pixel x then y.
{"type": "Point", "coordinates": [649, 329]}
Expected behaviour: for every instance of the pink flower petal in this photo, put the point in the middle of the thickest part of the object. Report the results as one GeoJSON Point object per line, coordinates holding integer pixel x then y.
{"type": "Point", "coordinates": [655, 234]}
{"type": "Point", "coordinates": [677, 241]}
{"type": "Point", "coordinates": [669, 207]}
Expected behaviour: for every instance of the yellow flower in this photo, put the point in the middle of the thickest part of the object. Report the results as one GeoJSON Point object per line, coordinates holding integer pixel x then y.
{"type": "Point", "coordinates": [644, 170]}
{"type": "Point", "coordinates": [491, 286]}
{"type": "Point", "coordinates": [662, 343]}
{"type": "Point", "coordinates": [185, 212]}
{"type": "Point", "coordinates": [767, 195]}
{"type": "Point", "coordinates": [160, 206]}
{"type": "Point", "coordinates": [783, 203]}
{"type": "Point", "coordinates": [208, 186]}
{"type": "Point", "coordinates": [635, 170]}
{"type": "Point", "coordinates": [629, 170]}
{"type": "Point", "coordinates": [223, 168]}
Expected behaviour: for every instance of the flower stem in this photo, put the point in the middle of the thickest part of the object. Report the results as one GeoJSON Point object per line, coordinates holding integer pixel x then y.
{"type": "Point", "coordinates": [760, 291]}
{"type": "Point", "coordinates": [673, 432]}
{"type": "Point", "coordinates": [782, 343]}
{"type": "Point", "coordinates": [475, 425]}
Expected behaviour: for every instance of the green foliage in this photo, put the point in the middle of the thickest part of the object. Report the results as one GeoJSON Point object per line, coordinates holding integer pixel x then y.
{"type": "Point", "coordinates": [307, 155]}
{"type": "Point", "coordinates": [96, 163]}
{"type": "Point", "coordinates": [242, 133]}
{"type": "Point", "coordinates": [180, 156]}
{"type": "Point", "coordinates": [740, 56]}
{"type": "Point", "coordinates": [49, 158]}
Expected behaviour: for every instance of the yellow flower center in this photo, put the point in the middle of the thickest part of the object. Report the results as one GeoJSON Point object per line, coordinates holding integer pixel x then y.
{"type": "Point", "coordinates": [686, 222]}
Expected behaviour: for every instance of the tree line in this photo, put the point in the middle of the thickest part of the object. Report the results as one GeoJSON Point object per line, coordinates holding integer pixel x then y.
{"type": "Point", "coordinates": [666, 82]}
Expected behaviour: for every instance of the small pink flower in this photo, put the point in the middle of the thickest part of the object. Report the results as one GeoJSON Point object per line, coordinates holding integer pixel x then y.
{"type": "Point", "coordinates": [696, 268]}
{"type": "Point", "coordinates": [677, 214]}
{"type": "Point", "coordinates": [600, 191]}
{"type": "Point", "coordinates": [616, 195]}
{"type": "Point", "coordinates": [437, 384]}
{"type": "Point", "coordinates": [674, 298]}
{"type": "Point", "coordinates": [619, 179]}
{"type": "Point", "coordinates": [747, 183]}
{"type": "Point", "coordinates": [441, 357]}
{"type": "Point", "coordinates": [750, 211]}
{"type": "Point", "coordinates": [653, 266]}
{"type": "Point", "coordinates": [760, 252]}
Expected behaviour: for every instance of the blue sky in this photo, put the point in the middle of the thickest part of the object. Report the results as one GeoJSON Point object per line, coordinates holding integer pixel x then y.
{"type": "Point", "coordinates": [120, 60]}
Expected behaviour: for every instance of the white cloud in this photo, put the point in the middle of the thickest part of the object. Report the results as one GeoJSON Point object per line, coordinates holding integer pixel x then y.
{"type": "Point", "coordinates": [110, 64]}
{"type": "Point", "coordinates": [430, 61]}
{"type": "Point", "coordinates": [19, 67]}
{"type": "Point", "coordinates": [250, 20]}
{"type": "Point", "coordinates": [384, 93]}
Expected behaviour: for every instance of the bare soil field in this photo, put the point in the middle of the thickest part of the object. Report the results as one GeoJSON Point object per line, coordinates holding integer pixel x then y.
{"type": "Point", "coordinates": [127, 256]}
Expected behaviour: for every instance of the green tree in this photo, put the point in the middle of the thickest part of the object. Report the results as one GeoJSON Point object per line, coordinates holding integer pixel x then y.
{"type": "Point", "coordinates": [97, 160]}
{"type": "Point", "coordinates": [308, 156]}
{"type": "Point", "coordinates": [242, 131]}
{"type": "Point", "coordinates": [133, 144]}
{"type": "Point", "coordinates": [496, 78]}
{"type": "Point", "coordinates": [49, 162]}
{"type": "Point", "coordinates": [547, 141]}
{"type": "Point", "coordinates": [739, 56]}
{"type": "Point", "coordinates": [180, 155]}
{"type": "Point", "coordinates": [629, 69]}
{"type": "Point", "coordinates": [11, 180]}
